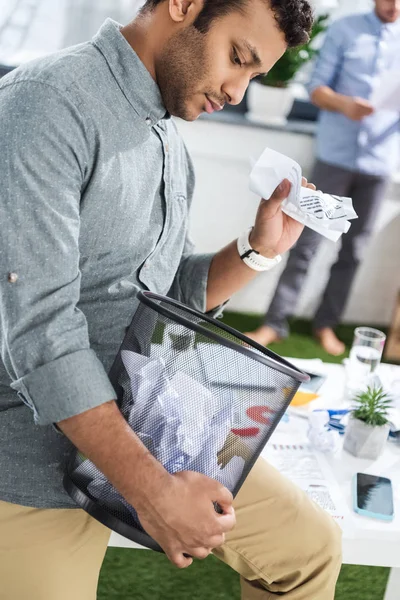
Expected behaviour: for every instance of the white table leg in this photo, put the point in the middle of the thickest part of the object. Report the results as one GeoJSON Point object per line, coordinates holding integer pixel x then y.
{"type": "Point", "coordinates": [393, 585]}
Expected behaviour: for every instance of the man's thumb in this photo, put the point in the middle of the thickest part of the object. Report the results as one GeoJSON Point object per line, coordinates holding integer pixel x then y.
{"type": "Point", "coordinates": [282, 191]}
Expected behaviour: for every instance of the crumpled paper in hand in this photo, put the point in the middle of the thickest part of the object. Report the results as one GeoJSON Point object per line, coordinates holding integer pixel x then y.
{"type": "Point", "coordinates": [326, 214]}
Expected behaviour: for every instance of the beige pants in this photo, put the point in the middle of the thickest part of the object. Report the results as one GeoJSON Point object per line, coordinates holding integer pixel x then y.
{"type": "Point", "coordinates": [282, 544]}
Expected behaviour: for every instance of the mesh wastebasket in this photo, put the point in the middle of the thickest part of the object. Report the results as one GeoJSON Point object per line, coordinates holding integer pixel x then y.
{"type": "Point", "coordinates": [200, 395]}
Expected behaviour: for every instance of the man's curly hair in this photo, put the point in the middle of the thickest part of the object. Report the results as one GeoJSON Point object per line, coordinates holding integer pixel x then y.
{"type": "Point", "coordinates": [293, 17]}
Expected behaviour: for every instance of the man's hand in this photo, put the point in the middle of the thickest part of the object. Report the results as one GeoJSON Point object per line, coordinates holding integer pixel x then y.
{"type": "Point", "coordinates": [356, 109]}
{"type": "Point", "coordinates": [182, 518]}
{"type": "Point", "coordinates": [274, 232]}
{"type": "Point", "coordinates": [176, 510]}
{"type": "Point", "coordinates": [353, 108]}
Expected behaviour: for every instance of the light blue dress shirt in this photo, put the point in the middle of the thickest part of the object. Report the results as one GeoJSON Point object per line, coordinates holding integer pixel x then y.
{"type": "Point", "coordinates": [357, 51]}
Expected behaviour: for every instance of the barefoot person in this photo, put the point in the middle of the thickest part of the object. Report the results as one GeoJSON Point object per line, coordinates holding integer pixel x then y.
{"type": "Point", "coordinates": [357, 151]}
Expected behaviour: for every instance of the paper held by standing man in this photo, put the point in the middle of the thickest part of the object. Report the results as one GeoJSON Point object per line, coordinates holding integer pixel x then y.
{"type": "Point", "coordinates": [387, 94]}
{"type": "Point", "coordinates": [325, 214]}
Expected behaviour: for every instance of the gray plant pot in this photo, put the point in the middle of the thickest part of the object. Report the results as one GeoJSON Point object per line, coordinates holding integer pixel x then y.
{"type": "Point", "coordinates": [365, 441]}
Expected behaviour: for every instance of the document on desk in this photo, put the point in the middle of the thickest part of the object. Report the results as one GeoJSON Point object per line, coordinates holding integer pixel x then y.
{"type": "Point", "coordinates": [311, 472]}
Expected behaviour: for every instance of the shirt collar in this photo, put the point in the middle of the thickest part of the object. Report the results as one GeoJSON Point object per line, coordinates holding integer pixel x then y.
{"type": "Point", "coordinates": [380, 27]}
{"type": "Point", "coordinates": [133, 78]}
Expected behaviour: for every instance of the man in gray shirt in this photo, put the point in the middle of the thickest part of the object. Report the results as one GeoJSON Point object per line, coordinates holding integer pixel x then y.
{"type": "Point", "coordinates": [96, 187]}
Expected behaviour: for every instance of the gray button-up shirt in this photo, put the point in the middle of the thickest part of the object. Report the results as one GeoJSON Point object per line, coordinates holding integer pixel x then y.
{"type": "Point", "coordinates": [95, 189]}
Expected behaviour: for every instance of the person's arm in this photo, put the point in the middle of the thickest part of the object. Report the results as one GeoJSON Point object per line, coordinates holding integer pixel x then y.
{"type": "Point", "coordinates": [326, 71]}
{"type": "Point", "coordinates": [352, 107]}
{"type": "Point", "coordinates": [176, 510]}
{"type": "Point", "coordinates": [273, 233]}
{"type": "Point", "coordinates": [46, 151]}
{"type": "Point", "coordinates": [207, 281]}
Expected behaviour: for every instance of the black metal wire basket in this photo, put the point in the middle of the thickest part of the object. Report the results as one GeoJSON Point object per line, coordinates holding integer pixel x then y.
{"type": "Point", "coordinates": [200, 395]}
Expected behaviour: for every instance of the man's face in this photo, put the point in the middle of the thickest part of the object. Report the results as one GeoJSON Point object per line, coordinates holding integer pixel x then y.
{"type": "Point", "coordinates": [388, 10]}
{"type": "Point", "coordinates": [200, 73]}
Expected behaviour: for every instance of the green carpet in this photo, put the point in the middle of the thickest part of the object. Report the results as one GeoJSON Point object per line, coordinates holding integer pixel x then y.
{"type": "Point", "coordinates": [145, 575]}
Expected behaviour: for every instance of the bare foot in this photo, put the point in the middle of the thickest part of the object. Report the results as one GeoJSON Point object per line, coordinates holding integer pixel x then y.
{"type": "Point", "coordinates": [328, 340]}
{"type": "Point", "coordinates": [264, 335]}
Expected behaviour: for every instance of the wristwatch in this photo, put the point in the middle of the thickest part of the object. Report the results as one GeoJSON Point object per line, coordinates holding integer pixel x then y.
{"type": "Point", "coordinates": [251, 257]}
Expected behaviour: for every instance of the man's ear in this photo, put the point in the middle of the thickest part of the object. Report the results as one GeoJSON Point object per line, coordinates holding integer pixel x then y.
{"type": "Point", "coordinates": [185, 10]}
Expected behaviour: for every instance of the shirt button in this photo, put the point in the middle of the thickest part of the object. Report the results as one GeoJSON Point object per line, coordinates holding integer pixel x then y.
{"type": "Point", "coordinates": [148, 121]}
{"type": "Point", "coordinates": [12, 277]}
{"type": "Point", "coordinates": [166, 148]}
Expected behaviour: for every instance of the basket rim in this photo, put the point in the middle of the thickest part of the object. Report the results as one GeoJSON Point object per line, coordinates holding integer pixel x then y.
{"type": "Point", "coordinates": [270, 359]}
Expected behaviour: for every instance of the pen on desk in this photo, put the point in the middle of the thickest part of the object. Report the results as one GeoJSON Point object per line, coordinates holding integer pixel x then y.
{"type": "Point", "coordinates": [336, 425]}
{"type": "Point", "coordinates": [335, 416]}
{"type": "Point", "coordinates": [337, 411]}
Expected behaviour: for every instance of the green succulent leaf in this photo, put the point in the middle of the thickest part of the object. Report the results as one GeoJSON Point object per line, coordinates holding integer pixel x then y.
{"type": "Point", "coordinates": [372, 406]}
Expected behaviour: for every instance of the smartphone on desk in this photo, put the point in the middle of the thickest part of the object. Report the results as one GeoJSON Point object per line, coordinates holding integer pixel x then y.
{"type": "Point", "coordinates": [373, 496]}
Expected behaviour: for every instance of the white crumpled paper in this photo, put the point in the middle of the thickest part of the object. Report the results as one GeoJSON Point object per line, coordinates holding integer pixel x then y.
{"type": "Point", "coordinates": [326, 214]}
{"type": "Point", "coordinates": [177, 418]}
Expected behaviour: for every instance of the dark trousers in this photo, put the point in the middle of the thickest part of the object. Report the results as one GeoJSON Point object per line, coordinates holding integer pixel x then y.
{"type": "Point", "coordinates": [367, 191]}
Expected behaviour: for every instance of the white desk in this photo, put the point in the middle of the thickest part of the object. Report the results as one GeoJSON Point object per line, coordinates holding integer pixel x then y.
{"type": "Point", "coordinates": [370, 542]}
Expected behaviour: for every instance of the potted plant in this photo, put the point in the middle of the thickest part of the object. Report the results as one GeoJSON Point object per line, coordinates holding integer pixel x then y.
{"type": "Point", "coordinates": [368, 426]}
{"type": "Point", "coordinates": [270, 97]}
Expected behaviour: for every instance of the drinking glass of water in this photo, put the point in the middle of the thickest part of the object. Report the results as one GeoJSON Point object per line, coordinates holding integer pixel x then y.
{"type": "Point", "coordinates": [365, 356]}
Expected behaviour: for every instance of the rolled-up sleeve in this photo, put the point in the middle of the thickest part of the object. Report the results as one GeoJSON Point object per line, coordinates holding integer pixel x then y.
{"type": "Point", "coordinates": [328, 64]}
{"type": "Point", "coordinates": [45, 153]}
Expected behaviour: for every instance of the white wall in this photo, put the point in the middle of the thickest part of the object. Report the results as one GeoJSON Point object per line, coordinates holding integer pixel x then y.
{"type": "Point", "coordinates": [29, 29]}
{"type": "Point", "coordinates": [342, 7]}
{"type": "Point", "coordinates": [224, 206]}
{"type": "Point", "coordinates": [33, 28]}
